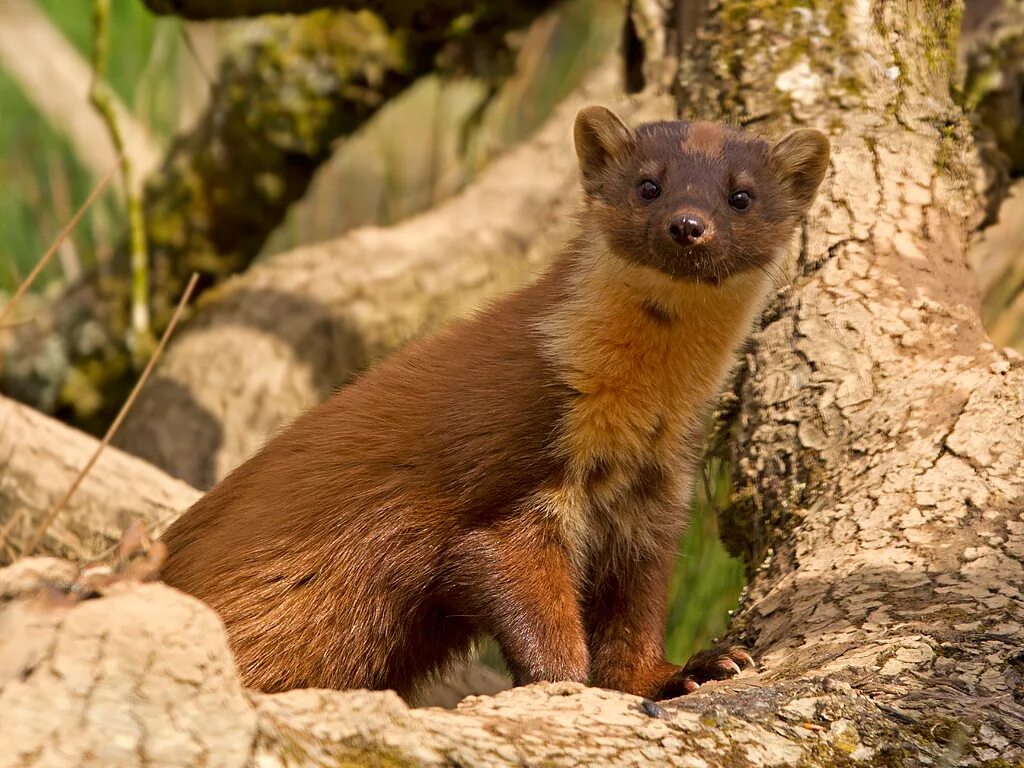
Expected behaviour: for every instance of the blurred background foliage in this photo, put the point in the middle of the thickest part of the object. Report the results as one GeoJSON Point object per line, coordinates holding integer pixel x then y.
{"type": "Point", "coordinates": [417, 150]}
{"type": "Point", "coordinates": [43, 180]}
{"type": "Point", "coordinates": [420, 148]}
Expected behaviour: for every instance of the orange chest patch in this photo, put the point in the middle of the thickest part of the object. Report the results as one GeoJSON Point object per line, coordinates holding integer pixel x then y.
{"type": "Point", "coordinates": [645, 355]}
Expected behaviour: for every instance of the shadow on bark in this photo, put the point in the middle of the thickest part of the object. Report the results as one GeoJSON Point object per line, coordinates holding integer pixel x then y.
{"type": "Point", "coordinates": [328, 347]}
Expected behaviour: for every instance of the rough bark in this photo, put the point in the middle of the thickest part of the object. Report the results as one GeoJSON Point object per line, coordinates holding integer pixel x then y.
{"type": "Point", "coordinates": [281, 101]}
{"type": "Point", "coordinates": [41, 458]}
{"type": "Point", "coordinates": [879, 436]}
{"type": "Point", "coordinates": [160, 651]}
{"type": "Point", "coordinates": [143, 677]}
{"type": "Point", "coordinates": [278, 338]}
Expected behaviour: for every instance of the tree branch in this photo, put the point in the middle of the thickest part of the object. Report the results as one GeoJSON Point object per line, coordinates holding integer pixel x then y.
{"type": "Point", "coordinates": [166, 692]}
{"type": "Point", "coordinates": [41, 457]}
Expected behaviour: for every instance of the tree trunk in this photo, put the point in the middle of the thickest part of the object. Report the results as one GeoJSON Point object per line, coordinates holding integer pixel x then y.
{"type": "Point", "coordinates": [878, 439]}
{"type": "Point", "coordinates": [312, 318]}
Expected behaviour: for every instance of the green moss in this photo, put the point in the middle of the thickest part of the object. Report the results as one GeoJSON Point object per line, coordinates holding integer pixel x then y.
{"type": "Point", "coordinates": [773, 15]}
{"type": "Point", "coordinates": [942, 730]}
{"type": "Point", "coordinates": [940, 34]}
{"type": "Point", "coordinates": [816, 31]}
{"type": "Point", "coordinates": [947, 148]}
{"type": "Point", "coordinates": [895, 756]}
{"type": "Point", "coordinates": [823, 754]}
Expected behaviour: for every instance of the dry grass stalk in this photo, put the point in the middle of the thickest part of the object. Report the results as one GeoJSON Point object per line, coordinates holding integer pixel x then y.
{"type": "Point", "coordinates": [40, 531]}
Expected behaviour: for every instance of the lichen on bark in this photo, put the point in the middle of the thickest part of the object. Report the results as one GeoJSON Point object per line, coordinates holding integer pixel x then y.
{"type": "Point", "coordinates": [874, 417]}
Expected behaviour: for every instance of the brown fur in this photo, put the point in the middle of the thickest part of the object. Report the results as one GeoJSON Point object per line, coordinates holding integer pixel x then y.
{"type": "Point", "coordinates": [524, 473]}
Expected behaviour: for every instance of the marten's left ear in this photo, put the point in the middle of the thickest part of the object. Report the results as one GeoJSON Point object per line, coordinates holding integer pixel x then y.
{"type": "Point", "coordinates": [601, 137]}
{"type": "Point", "coordinates": [800, 158]}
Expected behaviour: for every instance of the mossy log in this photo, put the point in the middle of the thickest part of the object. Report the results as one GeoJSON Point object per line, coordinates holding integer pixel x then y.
{"type": "Point", "coordinates": [411, 13]}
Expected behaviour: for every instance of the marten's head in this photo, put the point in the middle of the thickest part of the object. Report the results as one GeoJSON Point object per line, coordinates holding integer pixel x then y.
{"type": "Point", "coordinates": [698, 201]}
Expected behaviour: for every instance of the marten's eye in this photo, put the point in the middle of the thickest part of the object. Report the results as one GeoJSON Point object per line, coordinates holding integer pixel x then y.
{"type": "Point", "coordinates": [739, 201]}
{"type": "Point", "coordinates": [648, 189]}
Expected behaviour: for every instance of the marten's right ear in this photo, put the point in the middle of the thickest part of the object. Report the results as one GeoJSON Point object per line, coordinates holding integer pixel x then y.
{"type": "Point", "coordinates": [801, 160]}
{"type": "Point", "coordinates": [601, 137]}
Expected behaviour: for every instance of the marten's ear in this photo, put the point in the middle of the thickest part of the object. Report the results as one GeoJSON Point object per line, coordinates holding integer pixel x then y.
{"type": "Point", "coordinates": [601, 137]}
{"type": "Point", "coordinates": [800, 158]}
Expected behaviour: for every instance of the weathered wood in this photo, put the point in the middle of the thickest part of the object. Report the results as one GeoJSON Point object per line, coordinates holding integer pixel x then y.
{"type": "Point", "coordinates": [143, 677]}
{"type": "Point", "coordinates": [41, 458]}
{"type": "Point", "coordinates": [878, 441]}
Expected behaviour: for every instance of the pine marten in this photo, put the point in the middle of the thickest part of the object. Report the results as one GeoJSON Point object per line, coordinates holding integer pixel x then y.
{"type": "Point", "coordinates": [524, 473]}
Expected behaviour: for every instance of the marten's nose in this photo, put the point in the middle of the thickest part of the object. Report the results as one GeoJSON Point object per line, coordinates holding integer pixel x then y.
{"type": "Point", "coordinates": [686, 230]}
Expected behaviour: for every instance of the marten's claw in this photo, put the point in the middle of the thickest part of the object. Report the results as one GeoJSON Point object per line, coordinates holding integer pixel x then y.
{"type": "Point", "coordinates": [740, 655]}
{"type": "Point", "coordinates": [729, 666]}
{"type": "Point", "coordinates": [718, 663]}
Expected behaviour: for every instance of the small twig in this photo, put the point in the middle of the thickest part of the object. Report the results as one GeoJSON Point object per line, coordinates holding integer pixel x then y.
{"type": "Point", "coordinates": [139, 337]}
{"type": "Point", "coordinates": [156, 527]}
{"type": "Point", "coordinates": [41, 530]}
{"type": "Point", "coordinates": [68, 229]}
{"type": "Point", "coordinates": [190, 45]}
{"type": "Point", "coordinates": [9, 526]}
{"type": "Point", "coordinates": [16, 323]}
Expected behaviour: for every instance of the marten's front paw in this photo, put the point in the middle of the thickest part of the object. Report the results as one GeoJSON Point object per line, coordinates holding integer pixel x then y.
{"type": "Point", "coordinates": [717, 663]}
